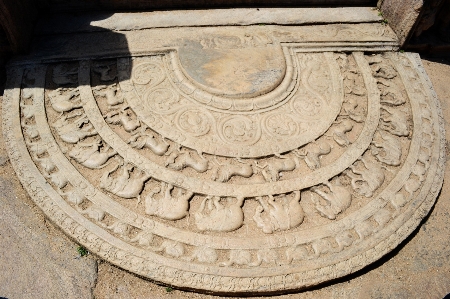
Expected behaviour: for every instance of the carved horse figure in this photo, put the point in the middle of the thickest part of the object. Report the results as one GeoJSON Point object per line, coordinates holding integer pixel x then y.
{"type": "Point", "coordinates": [224, 172]}
{"type": "Point", "coordinates": [338, 199]}
{"type": "Point", "coordinates": [272, 174]}
{"type": "Point", "coordinates": [313, 153]}
{"type": "Point", "coordinates": [168, 207]}
{"type": "Point", "coordinates": [72, 132]}
{"type": "Point", "coordinates": [283, 215]}
{"type": "Point", "coordinates": [124, 185]}
{"type": "Point", "coordinates": [180, 159]}
{"type": "Point", "coordinates": [340, 130]}
{"type": "Point", "coordinates": [110, 92]}
{"type": "Point", "coordinates": [62, 101]}
{"type": "Point", "coordinates": [220, 217]}
{"type": "Point", "coordinates": [104, 70]}
{"type": "Point", "coordinates": [124, 117]}
{"type": "Point", "coordinates": [90, 154]}
{"type": "Point", "coordinates": [143, 138]}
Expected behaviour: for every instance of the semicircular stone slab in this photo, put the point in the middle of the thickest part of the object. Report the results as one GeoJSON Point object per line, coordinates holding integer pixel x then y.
{"type": "Point", "coordinates": [168, 166]}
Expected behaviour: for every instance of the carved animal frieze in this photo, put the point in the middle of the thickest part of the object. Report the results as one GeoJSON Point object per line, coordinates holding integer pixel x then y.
{"type": "Point", "coordinates": [283, 213]}
{"type": "Point", "coordinates": [366, 179]}
{"type": "Point", "coordinates": [215, 216]}
{"type": "Point", "coordinates": [111, 93]}
{"type": "Point", "coordinates": [314, 152]}
{"type": "Point", "coordinates": [65, 99]}
{"type": "Point", "coordinates": [144, 139]}
{"type": "Point", "coordinates": [105, 71]}
{"type": "Point", "coordinates": [344, 239]}
{"type": "Point", "coordinates": [353, 109]}
{"type": "Point", "coordinates": [171, 248]}
{"type": "Point", "coordinates": [338, 199]}
{"type": "Point", "coordinates": [95, 213]}
{"type": "Point", "coordinates": [143, 238]}
{"type": "Point", "coordinates": [271, 170]}
{"type": "Point", "coordinates": [387, 148]}
{"type": "Point", "coordinates": [126, 184]}
{"type": "Point", "coordinates": [74, 196]}
{"type": "Point", "coordinates": [390, 93]}
{"type": "Point", "coordinates": [238, 257]}
{"type": "Point", "coordinates": [168, 206]}
{"type": "Point", "coordinates": [267, 256]}
{"type": "Point", "coordinates": [92, 154]}
{"type": "Point", "coordinates": [297, 253]}
{"type": "Point", "coordinates": [224, 172]}
{"type": "Point", "coordinates": [72, 130]}
{"type": "Point", "coordinates": [395, 121]}
{"type": "Point", "coordinates": [317, 174]}
{"type": "Point", "coordinates": [322, 246]}
{"type": "Point", "coordinates": [339, 132]}
{"type": "Point", "coordinates": [57, 178]}
{"type": "Point", "coordinates": [124, 117]}
{"type": "Point", "coordinates": [180, 158]}
{"type": "Point", "coordinates": [203, 255]}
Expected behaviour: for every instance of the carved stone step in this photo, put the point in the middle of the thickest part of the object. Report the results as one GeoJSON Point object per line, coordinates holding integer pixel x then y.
{"type": "Point", "coordinates": [252, 159]}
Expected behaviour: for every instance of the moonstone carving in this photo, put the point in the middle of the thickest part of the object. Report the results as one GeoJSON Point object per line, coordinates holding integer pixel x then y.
{"type": "Point", "coordinates": [284, 187]}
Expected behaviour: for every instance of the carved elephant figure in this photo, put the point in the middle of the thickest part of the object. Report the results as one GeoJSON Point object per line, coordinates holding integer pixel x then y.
{"type": "Point", "coordinates": [220, 218]}
{"type": "Point", "coordinates": [338, 199]}
{"type": "Point", "coordinates": [110, 92]}
{"type": "Point", "coordinates": [367, 180]}
{"type": "Point", "coordinates": [283, 214]}
{"type": "Point", "coordinates": [124, 117]}
{"type": "Point", "coordinates": [124, 185]}
{"type": "Point", "coordinates": [238, 257]}
{"type": "Point", "coordinates": [168, 207]}
{"type": "Point", "coordinates": [297, 253]}
{"type": "Point", "coordinates": [340, 130]}
{"type": "Point", "coordinates": [386, 148]}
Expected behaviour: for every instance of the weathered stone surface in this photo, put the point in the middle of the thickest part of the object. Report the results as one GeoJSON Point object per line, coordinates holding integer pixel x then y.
{"type": "Point", "coordinates": [355, 37]}
{"type": "Point", "coordinates": [69, 23]}
{"type": "Point", "coordinates": [402, 16]}
{"type": "Point", "coordinates": [158, 168]}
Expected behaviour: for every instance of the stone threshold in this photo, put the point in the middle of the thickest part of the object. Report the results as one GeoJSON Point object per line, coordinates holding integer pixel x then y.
{"type": "Point", "coordinates": [89, 22]}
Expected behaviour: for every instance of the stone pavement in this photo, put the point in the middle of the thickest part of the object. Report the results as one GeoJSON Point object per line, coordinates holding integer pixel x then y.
{"type": "Point", "coordinates": [164, 164]}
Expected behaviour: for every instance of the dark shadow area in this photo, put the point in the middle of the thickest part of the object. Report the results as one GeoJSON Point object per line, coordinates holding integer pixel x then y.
{"type": "Point", "coordinates": [53, 6]}
{"type": "Point", "coordinates": [443, 59]}
{"type": "Point", "coordinates": [432, 35]}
